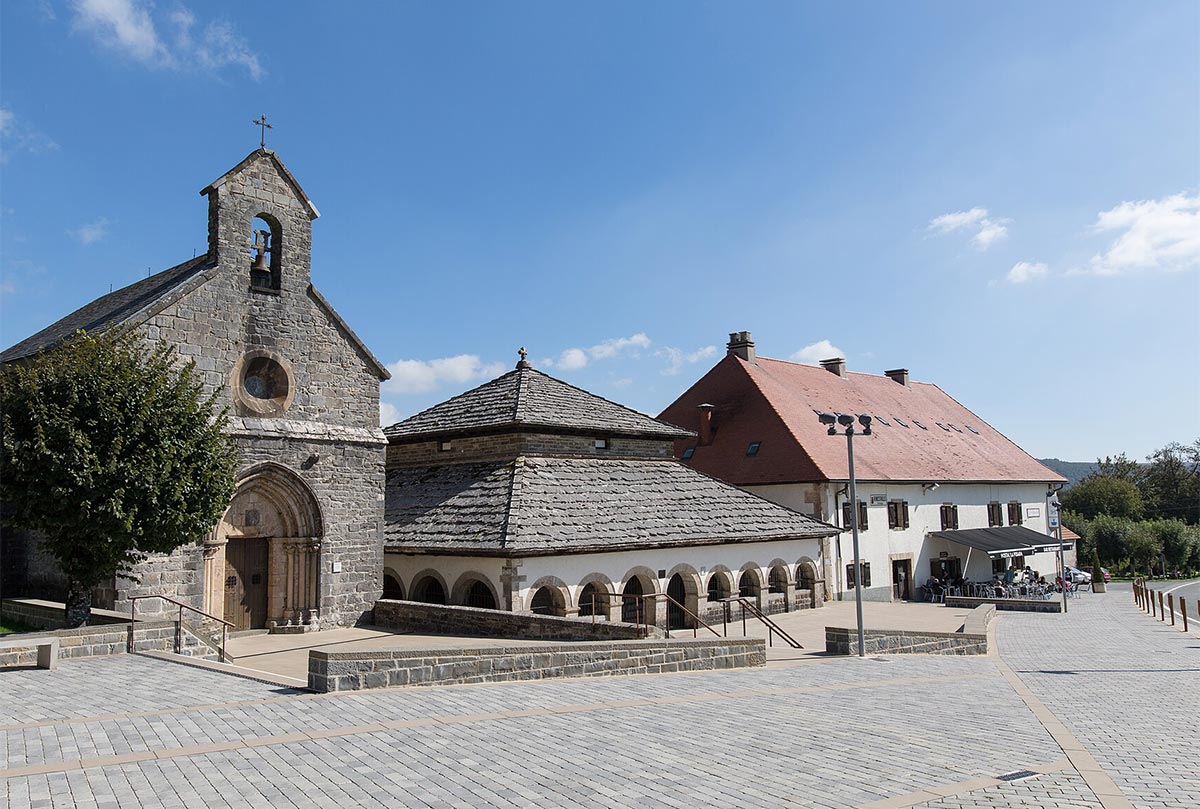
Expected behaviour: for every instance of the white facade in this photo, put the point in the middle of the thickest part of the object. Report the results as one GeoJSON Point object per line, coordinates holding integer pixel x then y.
{"type": "Point", "coordinates": [796, 563]}
{"type": "Point", "coordinates": [886, 550]}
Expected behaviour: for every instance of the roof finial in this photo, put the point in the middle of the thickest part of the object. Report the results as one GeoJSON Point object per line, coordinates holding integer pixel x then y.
{"type": "Point", "coordinates": [523, 354]}
{"type": "Point", "coordinates": [263, 126]}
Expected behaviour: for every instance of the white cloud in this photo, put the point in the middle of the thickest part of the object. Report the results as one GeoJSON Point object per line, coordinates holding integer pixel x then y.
{"type": "Point", "coordinates": [90, 233]}
{"type": "Point", "coordinates": [1024, 271]}
{"type": "Point", "coordinates": [127, 27]}
{"type": "Point", "coordinates": [18, 136]}
{"type": "Point", "coordinates": [572, 359]}
{"type": "Point", "coordinates": [423, 376]}
{"type": "Point", "coordinates": [987, 231]}
{"type": "Point", "coordinates": [815, 352]}
{"type": "Point", "coordinates": [1156, 234]}
{"type": "Point", "coordinates": [389, 414]}
{"type": "Point", "coordinates": [677, 357]}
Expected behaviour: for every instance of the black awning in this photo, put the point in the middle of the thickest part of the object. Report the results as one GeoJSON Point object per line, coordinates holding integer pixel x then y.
{"type": "Point", "coordinates": [1000, 543]}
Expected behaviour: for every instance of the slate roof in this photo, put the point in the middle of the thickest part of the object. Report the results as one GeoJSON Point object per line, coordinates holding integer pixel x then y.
{"type": "Point", "coordinates": [115, 307]}
{"type": "Point", "coordinates": [920, 432]}
{"type": "Point", "coordinates": [527, 397]}
{"type": "Point", "coordinates": [541, 505]}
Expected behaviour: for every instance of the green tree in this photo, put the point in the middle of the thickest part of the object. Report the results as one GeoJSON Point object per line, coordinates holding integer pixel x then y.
{"type": "Point", "coordinates": [1177, 539]}
{"type": "Point", "coordinates": [1171, 485]}
{"type": "Point", "coordinates": [1121, 467]}
{"type": "Point", "coordinates": [1098, 494]}
{"type": "Point", "coordinates": [112, 452]}
{"type": "Point", "coordinates": [1142, 546]}
{"type": "Point", "coordinates": [1109, 537]}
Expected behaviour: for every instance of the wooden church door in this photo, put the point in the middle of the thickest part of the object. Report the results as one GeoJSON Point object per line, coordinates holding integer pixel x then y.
{"type": "Point", "coordinates": [246, 582]}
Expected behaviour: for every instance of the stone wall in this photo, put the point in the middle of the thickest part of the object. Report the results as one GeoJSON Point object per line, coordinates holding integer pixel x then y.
{"type": "Point", "coordinates": [839, 641]}
{"type": "Point", "coordinates": [1008, 604]}
{"type": "Point", "coordinates": [93, 641]}
{"type": "Point", "coordinates": [412, 616]}
{"type": "Point", "coordinates": [352, 671]}
{"type": "Point", "coordinates": [38, 614]}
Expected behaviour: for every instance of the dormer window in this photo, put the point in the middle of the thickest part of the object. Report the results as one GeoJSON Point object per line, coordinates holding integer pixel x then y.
{"type": "Point", "coordinates": [445, 446]}
{"type": "Point", "coordinates": [601, 443]}
{"type": "Point", "coordinates": [688, 453]}
{"type": "Point", "coordinates": [752, 450]}
{"type": "Point", "coordinates": [264, 254]}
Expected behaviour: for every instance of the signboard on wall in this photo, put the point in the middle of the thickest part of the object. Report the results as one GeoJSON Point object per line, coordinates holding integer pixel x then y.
{"type": "Point", "coordinates": [879, 499]}
{"type": "Point", "coordinates": [1033, 511]}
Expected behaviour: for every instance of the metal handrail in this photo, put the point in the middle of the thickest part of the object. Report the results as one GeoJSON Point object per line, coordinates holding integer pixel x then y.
{"type": "Point", "coordinates": [755, 612]}
{"type": "Point", "coordinates": [695, 617]}
{"type": "Point", "coordinates": [179, 631]}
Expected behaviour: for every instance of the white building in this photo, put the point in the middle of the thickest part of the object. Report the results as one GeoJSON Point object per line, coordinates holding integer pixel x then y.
{"type": "Point", "coordinates": [941, 493]}
{"type": "Point", "coordinates": [529, 494]}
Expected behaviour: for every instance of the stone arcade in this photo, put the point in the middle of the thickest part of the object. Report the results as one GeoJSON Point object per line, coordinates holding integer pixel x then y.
{"type": "Point", "coordinates": [299, 543]}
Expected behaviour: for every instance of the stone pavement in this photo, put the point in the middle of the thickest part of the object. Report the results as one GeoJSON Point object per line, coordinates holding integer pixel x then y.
{"type": "Point", "coordinates": [893, 732]}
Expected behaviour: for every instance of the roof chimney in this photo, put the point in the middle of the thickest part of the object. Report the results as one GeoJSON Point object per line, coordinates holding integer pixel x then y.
{"type": "Point", "coordinates": [740, 345]}
{"type": "Point", "coordinates": [898, 375]}
{"type": "Point", "coordinates": [837, 365]}
{"type": "Point", "coordinates": [706, 418]}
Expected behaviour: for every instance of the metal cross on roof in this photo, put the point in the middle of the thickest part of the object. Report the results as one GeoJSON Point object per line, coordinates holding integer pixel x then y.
{"type": "Point", "coordinates": [523, 354]}
{"type": "Point", "coordinates": [262, 124]}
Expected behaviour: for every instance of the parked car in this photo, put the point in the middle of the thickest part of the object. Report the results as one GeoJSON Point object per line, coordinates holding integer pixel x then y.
{"type": "Point", "coordinates": [1088, 570]}
{"type": "Point", "coordinates": [1079, 576]}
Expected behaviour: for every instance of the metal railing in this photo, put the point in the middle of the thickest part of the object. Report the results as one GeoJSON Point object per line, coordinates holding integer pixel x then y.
{"type": "Point", "coordinates": [179, 623]}
{"type": "Point", "coordinates": [749, 606]}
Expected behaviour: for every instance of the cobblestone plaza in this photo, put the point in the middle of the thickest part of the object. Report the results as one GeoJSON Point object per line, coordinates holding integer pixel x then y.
{"type": "Point", "coordinates": [1101, 704]}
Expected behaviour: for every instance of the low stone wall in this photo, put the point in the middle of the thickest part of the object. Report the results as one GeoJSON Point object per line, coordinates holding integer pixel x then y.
{"type": "Point", "coordinates": [436, 619]}
{"type": "Point", "coordinates": [111, 639]}
{"type": "Point", "coordinates": [979, 619]}
{"type": "Point", "coordinates": [1011, 604]}
{"type": "Point", "coordinates": [840, 641]}
{"type": "Point", "coordinates": [353, 671]}
{"type": "Point", "coordinates": [38, 614]}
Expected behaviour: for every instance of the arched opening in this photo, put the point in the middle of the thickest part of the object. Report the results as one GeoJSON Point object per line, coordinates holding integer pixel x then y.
{"type": "Point", "coordinates": [264, 253]}
{"type": "Point", "coordinates": [392, 589]}
{"type": "Point", "coordinates": [429, 590]}
{"type": "Point", "coordinates": [593, 600]}
{"type": "Point", "coordinates": [677, 592]}
{"type": "Point", "coordinates": [548, 601]}
{"type": "Point", "coordinates": [777, 582]}
{"type": "Point", "coordinates": [262, 563]}
{"type": "Point", "coordinates": [718, 587]}
{"type": "Point", "coordinates": [633, 609]}
{"type": "Point", "coordinates": [479, 595]}
{"type": "Point", "coordinates": [806, 579]}
{"type": "Point", "coordinates": [749, 585]}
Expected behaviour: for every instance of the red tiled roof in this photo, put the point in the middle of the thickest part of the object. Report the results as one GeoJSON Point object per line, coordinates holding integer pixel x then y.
{"type": "Point", "coordinates": [1069, 535]}
{"type": "Point", "coordinates": [774, 402]}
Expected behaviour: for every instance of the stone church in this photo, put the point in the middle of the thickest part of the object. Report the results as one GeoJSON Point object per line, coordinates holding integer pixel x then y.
{"type": "Point", "coordinates": [300, 541]}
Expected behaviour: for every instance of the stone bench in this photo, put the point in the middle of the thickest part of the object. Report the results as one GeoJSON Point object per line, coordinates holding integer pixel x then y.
{"type": "Point", "coordinates": [47, 649]}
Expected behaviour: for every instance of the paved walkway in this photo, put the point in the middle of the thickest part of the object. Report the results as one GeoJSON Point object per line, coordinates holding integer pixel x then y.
{"type": "Point", "coordinates": [1075, 699]}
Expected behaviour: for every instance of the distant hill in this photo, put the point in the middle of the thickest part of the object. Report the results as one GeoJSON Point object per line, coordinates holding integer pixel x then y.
{"type": "Point", "coordinates": [1073, 471]}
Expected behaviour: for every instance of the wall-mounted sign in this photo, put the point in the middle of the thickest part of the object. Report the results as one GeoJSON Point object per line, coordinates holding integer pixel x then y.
{"type": "Point", "coordinates": [943, 554]}
{"type": "Point", "coordinates": [879, 499]}
{"type": "Point", "coordinates": [1033, 511]}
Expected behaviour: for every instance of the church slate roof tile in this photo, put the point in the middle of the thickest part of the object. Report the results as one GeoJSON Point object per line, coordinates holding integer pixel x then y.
{"type": "Point", "coordinates": [115, 307]}
{"type": "Point", "coordinates": [527, 397]}
{"type": "Point", "coordinates": [539, 505]}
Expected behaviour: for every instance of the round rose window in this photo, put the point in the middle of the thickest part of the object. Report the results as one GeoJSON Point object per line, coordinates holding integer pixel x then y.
{"type": "Point", "coordinates": [262, 383]}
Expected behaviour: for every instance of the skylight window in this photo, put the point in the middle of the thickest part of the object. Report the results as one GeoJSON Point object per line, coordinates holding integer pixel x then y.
{"type": "Point", "coordinates": [952, 427]}
{"type": "Point", "coordinates": [688, 453]}
{"type": "Point", "coordinates": [972, 429]}
{"type": "Point", "coordinates": [752, 450]}
{"type": "Point", "coordinates": [901, 422]}
{"type": "Point", "coordinates": [943, 426]}
{"type": "Point", "coordinates": [919, 424]}
{"type": "Point", "coordinates": [882, 421]}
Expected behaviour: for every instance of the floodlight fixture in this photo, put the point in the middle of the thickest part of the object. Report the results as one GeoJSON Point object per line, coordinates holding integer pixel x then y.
{"type": "Point", "coordinates": [846, 420]}
{"type": "Point", "coordinates": [828, 418]}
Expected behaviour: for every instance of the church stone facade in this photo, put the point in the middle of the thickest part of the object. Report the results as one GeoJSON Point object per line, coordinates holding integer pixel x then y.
{"type": "Point", "coordinates": [300, 541]}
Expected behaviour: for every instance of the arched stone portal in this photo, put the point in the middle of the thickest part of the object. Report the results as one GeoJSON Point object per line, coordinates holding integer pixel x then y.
{"type": "Point", "coordinates": [262, 561]}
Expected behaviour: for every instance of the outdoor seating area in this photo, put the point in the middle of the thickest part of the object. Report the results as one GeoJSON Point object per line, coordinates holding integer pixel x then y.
{"type": "Point", "coordinates": [1031, 590]}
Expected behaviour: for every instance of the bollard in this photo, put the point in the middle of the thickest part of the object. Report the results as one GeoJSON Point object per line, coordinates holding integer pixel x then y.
{"type": "Point", "coordinates": [1162, 616]}
{"type": "Point", "coordinates": [1183, 612]}
{"type": "Point", "coordinates": [1171, 606]}
{"type": "Point", "coordinates": [1152, 612]}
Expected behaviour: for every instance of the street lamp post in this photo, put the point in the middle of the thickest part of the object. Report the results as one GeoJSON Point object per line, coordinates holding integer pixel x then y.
{"type": "Point", "coordinates": [847, 422]}
{"type": "Point", "coordinates": [1062, 567]}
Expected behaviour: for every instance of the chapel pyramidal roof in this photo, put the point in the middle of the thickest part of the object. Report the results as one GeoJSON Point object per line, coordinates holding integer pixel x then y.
{"type": "Point", "coordinates": [526, 397]}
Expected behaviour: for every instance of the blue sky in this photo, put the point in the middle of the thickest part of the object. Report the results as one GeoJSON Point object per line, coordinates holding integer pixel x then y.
{"type": "Point", "coordinates": [1005, 200]}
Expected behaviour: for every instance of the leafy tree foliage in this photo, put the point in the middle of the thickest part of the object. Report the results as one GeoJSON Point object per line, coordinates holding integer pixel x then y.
{"type": "Point", "coordinates": [1171, 485]}
{"type": "Point", "coordinates": [1099, 494]}
{"type": "Point", "coordinates": [1178, 541]}
{"type": "Point", "coordinates": [1142, 545]}
{"type": "Point", "coordinates": [112, 452]}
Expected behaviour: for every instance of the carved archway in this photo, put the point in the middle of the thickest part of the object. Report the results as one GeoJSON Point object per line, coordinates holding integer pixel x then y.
{"type": "Point", "coordinates": [262, 561]}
